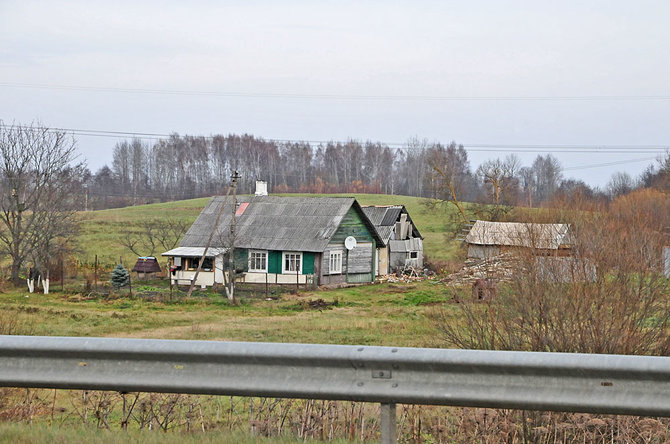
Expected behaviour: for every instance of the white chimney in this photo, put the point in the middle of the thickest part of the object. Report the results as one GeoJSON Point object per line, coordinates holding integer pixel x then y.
{"type": "Point", "coordinates": [261, 188]}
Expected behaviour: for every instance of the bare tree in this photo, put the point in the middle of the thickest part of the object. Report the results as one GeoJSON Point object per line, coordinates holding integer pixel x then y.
{"type": "Point", "coordinates": [449, 175]}
{"type": "Point", "coordinates": [38, 196]}
{"type": "Point", "coordinates": [546, 177]}
{"type": "Point", "coordinates": [500, 175]}
{"type": "Point", "coordinates": [154, 234]}
{"type": "Point", "coordinates": [621, 183]}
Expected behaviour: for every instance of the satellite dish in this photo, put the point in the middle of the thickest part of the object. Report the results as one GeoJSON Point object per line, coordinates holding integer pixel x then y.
{"type": "Point", "coordinates": [350, 242]}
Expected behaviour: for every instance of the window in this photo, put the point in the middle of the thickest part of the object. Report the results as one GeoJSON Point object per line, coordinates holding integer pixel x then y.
{"type": "Point", "coordinates": [414, 255]}
{"type": "Point", "coordinates": [258, 261]}
{"type": "Point", "coordinates": [208, 264]}
{"type": "Point", "coordinates": [292, 262]}
{"type": "Point", "coordinates": [191, 264]}
{"type": "Point", "coordinates": [335, 262]}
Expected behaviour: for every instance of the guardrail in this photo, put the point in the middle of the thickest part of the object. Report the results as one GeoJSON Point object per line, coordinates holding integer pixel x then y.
{"type": "Point", "coordinates": [633, 385]}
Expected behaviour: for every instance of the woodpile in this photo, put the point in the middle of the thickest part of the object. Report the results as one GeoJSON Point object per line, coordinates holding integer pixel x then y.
{"type": "Point", "coordinates": [497, 268]}
{"type": "Point", "coordinates": [407, 274]}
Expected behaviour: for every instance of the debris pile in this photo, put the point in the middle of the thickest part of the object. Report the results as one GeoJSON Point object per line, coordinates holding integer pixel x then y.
{"type": "Point", "coordinates": [499, 268]}
{"type": "Point", "coordinates": [316, 304]}
{"type": "Point", "coordinates": [408, 274]}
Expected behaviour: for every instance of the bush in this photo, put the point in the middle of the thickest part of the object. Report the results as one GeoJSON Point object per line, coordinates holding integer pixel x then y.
{"type": "Point", "coordinates": [616, 300]}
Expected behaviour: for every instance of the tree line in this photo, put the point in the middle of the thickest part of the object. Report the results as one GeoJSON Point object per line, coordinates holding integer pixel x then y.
{"type": "Point", "coordinates": [184, 167]}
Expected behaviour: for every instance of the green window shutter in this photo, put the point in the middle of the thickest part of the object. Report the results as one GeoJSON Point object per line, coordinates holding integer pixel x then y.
{"type": "Point", "coordinates": [308, 263]}
{"type": "Point", "coordinates": [274, 262]}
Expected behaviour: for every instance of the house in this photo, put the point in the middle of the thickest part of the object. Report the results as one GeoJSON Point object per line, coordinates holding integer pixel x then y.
{"type": "Point", "coordinates": [488, 239]}
{"type": "Point", "coordinates": [402, 244]}
{"type": "Point", "coordinates": [280, 240]}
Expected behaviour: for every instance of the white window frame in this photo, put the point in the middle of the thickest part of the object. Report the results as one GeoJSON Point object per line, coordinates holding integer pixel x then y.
{"type": "Point", "coordinates": [258, 270]}
{"type": "Point", "coordinates": [335, 270]}
{"type": "Point", "coordinates": [284, 270]}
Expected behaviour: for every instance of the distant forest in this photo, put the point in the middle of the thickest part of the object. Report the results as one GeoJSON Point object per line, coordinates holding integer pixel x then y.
{"type": "Point", "coordinates": [185, 167]}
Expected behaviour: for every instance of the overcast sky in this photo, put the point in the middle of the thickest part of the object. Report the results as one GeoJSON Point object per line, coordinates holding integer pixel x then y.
{"type": "Point", "coordinates": [597, 73]}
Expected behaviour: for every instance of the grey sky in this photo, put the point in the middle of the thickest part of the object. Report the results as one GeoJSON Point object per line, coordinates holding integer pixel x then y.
{"type": "Point", "coordinates": [349, 50]}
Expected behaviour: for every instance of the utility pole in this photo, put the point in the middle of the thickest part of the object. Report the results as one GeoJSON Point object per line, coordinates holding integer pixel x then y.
{"type": "Point", "coordinates": [230, 290]}
{"type": "Point", "coordinates": [209, 242]}
{"type": "Point", "coordinates": [85, 197]}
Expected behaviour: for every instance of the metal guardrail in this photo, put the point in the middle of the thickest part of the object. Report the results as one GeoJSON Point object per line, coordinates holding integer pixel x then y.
{"type": "Point", "coordinates": [634, 385]}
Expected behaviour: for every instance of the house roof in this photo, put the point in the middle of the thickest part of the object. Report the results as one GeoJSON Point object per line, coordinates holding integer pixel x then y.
{"type": "Point", "coordinates": [274, 223]}
{"type": "Point", "coordinates": [385, 217]}
{"type": "Point", "coordinates": [194, 252]}
{"type": "Point", "coordinates": [517, 234]}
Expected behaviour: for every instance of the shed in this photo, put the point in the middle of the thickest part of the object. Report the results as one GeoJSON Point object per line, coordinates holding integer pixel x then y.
{"type": "Point", "coordinates": [488, 239]}
{"type": "Point", "coordinates": [402, 243]}
{"type": "Point", "coordinates": [146, 265]}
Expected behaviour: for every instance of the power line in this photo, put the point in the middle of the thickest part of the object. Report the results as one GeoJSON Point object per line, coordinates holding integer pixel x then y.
{"type": "Point", "coordinates": [348, 97]}
{"type": "Point", "coordinates": [507, 148]}
{"type": "Point", "coordinates": [598, 165]}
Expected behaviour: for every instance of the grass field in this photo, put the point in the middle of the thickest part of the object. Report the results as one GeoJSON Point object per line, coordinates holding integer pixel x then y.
{"type": "Point", "coordinates": [102, 230]}
{"type": "Point", "coordinates": [395, 314]}
{"type": "Point", "coordinates": [383, 314]}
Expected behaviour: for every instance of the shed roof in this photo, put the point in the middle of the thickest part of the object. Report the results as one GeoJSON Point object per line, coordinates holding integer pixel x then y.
{"type": "Point", "coordinates": [274, 223]}
{"type": "Point", "coordinates": [518, 234]}
{"type": "Point", "coordinates": [384, 217]}
{"type": "Point", "coordinates": [147, 264]}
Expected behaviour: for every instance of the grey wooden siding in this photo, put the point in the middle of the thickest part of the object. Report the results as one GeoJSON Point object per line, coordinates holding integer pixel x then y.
{"type": "Point", "coordinates": [360, 259]}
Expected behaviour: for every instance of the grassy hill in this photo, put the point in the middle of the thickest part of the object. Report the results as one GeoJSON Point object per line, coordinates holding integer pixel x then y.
{"type": "Point", "coordinates": [102, 230]}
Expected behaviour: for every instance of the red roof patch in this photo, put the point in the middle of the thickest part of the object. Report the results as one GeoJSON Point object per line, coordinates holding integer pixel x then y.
{"type": "Point", "coordinates": [240, 210]}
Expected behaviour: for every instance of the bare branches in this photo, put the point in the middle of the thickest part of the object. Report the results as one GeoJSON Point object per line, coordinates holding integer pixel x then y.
{"type": "Point", "coordinates": [607, 296]}
{"type": "Point", "coordinates": [155, 234]}
{"type": "Point", "coordinates": [38, 193]}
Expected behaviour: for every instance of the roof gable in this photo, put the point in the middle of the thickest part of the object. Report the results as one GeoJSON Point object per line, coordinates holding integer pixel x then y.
{"type": "Point", "coordinates": [384, 218]}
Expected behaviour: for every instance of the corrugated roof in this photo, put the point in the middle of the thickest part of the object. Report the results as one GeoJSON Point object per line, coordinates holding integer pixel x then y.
{"type": "Point", "coordinates": [391, 216]}
{"type": "Point", "coordinates": [375, 214]}
{"type": "Point", "coordinates": [384, 219]}
{"type": "Point", "coordinates": [518, 234]}
{"type": "Point", "coordinates": [194, 252]}
{"type": "Point", "coordinates": [274, 223]}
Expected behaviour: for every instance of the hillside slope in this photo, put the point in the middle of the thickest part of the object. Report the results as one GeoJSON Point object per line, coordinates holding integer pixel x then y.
{"type": "Point", "coordinates": [103, 230]}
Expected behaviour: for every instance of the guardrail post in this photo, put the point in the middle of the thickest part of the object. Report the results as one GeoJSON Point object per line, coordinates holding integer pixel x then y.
{"type": "Point", "coordinates": [389, 432]}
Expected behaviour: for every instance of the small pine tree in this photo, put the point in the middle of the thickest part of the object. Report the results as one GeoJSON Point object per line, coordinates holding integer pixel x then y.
{"type": "Point", "coordinates": [120, 276]}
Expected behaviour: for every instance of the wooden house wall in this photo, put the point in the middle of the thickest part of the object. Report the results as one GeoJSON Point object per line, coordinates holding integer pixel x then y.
{"type": "Point", "coordinates": [488, 251]}
{"type": "Point", "coordinates": [352, 225]}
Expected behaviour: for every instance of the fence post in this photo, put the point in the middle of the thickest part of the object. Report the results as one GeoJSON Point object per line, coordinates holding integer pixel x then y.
{"type": "Point", "coordinates": [389, 426]}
